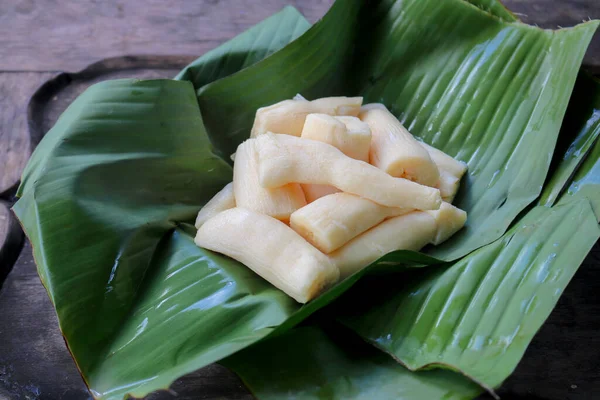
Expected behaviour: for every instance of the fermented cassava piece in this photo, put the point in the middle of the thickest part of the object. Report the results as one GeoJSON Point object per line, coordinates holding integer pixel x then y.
{"type": "Point", "coordinates": [278, 202]}
{"type": "Point", "coordinates": [314, 192]}
{"type": "Point", "coordinates": [451, 172]}
{"type": "Point", "coordinates": [448, 186]}
{"type": "Point", "coordinates": [354, 143]}
{"type": "Point", "coordinates": [445, 162]}
{"type": "Point", "coordinates": [331, 221]}
{"type": "Point", "coordinates": [407, 232]}
{"type": "Point", "coordinates": [349, 134]}
{"type": "Point", "coordinates": [288, 116]}
{"type": "Point", "coordinates": [395, 150]}
{"type": "Point", "coordinates": [360, 137]}
{"type": "Point", "coordinates": [271, 249]}
{"type": "Point", "coordinates": [283, 159]}
{"type": "Point", "coordinates": [449, 220]}
{"type": "Point", "coordinates": [224, 200]}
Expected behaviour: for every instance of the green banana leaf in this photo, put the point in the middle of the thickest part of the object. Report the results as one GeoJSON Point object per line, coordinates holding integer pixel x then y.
{"type": "Point", "coordinates": [478, 315]}
{"type": "Point", "coordinates": [579, 132]}
{"type": "Point", "coordinates": [586, 182]}
{"type": "Point", "coordinates": [330, 362]}
{"type": "Point", "coordinates": [123, 169]}
{"type": "Point", "coordinates": [247, 48]}
{"type": "Point", "coordinates": [106, 195]}
{"type": "Point", "coordinates": [489, 92]}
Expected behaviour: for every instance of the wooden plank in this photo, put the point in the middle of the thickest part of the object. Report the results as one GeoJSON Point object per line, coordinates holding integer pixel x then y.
{"type": "Point", "coordinates": [71, 34]}
{"type": "Point", "coordinates": [34, 361]}
{"type": "Point", "coordinates": [15, 91]}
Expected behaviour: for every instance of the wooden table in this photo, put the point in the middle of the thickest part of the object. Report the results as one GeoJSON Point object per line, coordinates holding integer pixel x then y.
{"type": "Point", "coordinates": [41, 38]}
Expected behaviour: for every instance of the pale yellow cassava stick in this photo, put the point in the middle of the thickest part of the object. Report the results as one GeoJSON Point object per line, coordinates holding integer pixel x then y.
{"type": "Point", "coordinates": [448, 186]}
{"type": "Point", "coordinates": [283, 159]}
{"type": "Point", "coordinates": [451, 172]}
{"type": "Point", "coordinates": [407, 232]}
{"type": "Point", "coordinates": [360, 137]}
{"type": "Point", "coordinates": [271, 249]}
{"type": "Point", "coordinates": [449, 220]}
{"type": "Point", "coordinates": [314, 192]}
{"type": "Point", "coordinates": [445, 162]}
{"type": "Point", "coordinates": [331, 221]}
{"type": "Point", "coordinates": [349, 134]}
{"type": "Point", "coordinates": [288, 116]}
{"type": "Point", "coordinates": [353, 142]}
{"type": "Point", "coordinates": [395, 150]}
{"type": "Point", "coordinates": [224, 200]}
{"type": "Point", "coordinates": [278, 202]}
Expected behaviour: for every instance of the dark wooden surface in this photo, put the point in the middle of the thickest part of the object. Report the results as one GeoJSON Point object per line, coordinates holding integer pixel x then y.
{"type": "Point", "coordinates": [43, 39]}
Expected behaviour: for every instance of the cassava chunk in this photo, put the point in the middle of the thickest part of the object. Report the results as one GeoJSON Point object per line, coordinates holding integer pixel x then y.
{"type": "Point", "coordinates": [224, 200]}
{"type": "Point", "coordinates": [395, 150]}
{"type": "Point", "coordinates": [359, 135]}
{"type": "Point", "coordinates": [283, 159]}
{"type": "Point", "coordinates": [449, 220]}
{"type": "Point", "coordinates": [445, 162]}
{"type": "Point", "coordinates": [407, 232]}
{"type": "Point", "coordinates": [331, 221]}
{"type": "Point", "coordinates": [314, 192]}
{"type": "Point", "coordinates": [448, 186]}
{"type": "Point", "coordinates": [271, 249]}
{"type": "Point", "coordinates": [278, 202]}
{"type": "Point", "coordinates": [451, 171]}
{"type": "Point", "coordinates": [288, 116]}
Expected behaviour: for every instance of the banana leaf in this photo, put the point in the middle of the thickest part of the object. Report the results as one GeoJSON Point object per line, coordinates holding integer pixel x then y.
{"type": "Point", "coordinates": [342, 370]}
{"type": "Point", "coordinates": [107, 194]}
{"type": "Point", "coordinates": [124, 168]}
{"type": "Point", "coordinates": [478, 315]}
{"type": "Point", "coordinates": [247, 48]}
{"type": "Point", "coordinates": [586, 182]}
{"type": "Point", "coordinates": [489, 92]}
{"type": "Point", "coordinates": [579, 132]}
{"type": "Point", "coordinates": [326, 361]}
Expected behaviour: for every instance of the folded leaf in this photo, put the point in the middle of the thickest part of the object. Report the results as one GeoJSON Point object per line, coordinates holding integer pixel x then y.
{"type": "Point", "coordinates": [332, 363]}
{"type": "Point", "coordinates": [316, 64]}
{"type": "Point", "coordinates": [586, 182]}
{"type": "Point", "coordinates": [480, 89]}
{"type": "Point", "coordinates": [579, 132]}
{"type": "Point", "coordinates": [127, 162]}
{"type": "Point", "coordinates": [247, 48]}
{"type": "Point", "coordinates": [478, 315]}
{"type": "Point", "coordinates": [207, 305]}
{"type": "Point", "coordinates": [475, 86]}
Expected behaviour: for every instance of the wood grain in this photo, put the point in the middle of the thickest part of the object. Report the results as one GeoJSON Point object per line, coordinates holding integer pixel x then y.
{"type": "Point", "coordinates": [15, 90]}
{"type": "Point", "coordinates": [70, 34]}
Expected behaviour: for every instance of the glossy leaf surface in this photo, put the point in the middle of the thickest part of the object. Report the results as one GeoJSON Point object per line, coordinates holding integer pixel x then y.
{"type": "Point", "coordinates": [479, 314]}
{"type": "Point", "coordinates": [579, 132]}
{"type": "Point", "coordinates": [329, 362]}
